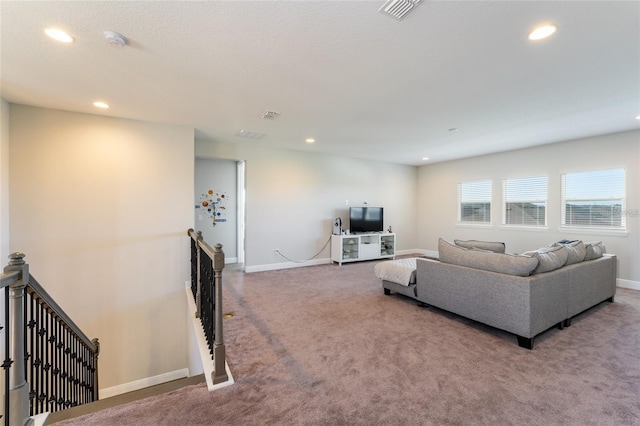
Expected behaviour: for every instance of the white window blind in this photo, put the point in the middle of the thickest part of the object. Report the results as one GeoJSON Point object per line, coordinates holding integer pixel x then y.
{"type": "Point", "coordinates": [594, 199]}
{"type": "Point", "coordinates": [474, 202]}
{"type": "Point", "coordinates": [524, 201]}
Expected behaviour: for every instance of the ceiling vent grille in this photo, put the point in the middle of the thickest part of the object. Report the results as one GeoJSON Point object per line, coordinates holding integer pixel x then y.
{"type": "Point", "coordinates": [250, 135]}
{"type": "Point", "coordinates": [269, 115]}
{"type": "Point", "coordinates": [397, 9]}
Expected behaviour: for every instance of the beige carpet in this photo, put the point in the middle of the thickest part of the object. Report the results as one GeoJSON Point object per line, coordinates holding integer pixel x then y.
{"type": "Point", "coordinates": [324, 346]}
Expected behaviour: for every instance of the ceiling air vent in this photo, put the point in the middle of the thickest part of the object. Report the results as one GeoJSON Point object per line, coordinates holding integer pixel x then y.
{"type": "Point", "coordinates": [398, 8]}
{"type": "Point", "coordinates": [269, 115]}
{"type": "Point", "coordinates": [250, 135]}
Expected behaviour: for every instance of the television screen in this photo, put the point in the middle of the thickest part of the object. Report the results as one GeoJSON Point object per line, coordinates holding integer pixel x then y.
{"type": "Point", "coordinates": [366, 219]}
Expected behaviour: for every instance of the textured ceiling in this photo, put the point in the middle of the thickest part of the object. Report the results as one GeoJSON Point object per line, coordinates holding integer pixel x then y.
{"type": "Point", "coordinates": [363, 84]}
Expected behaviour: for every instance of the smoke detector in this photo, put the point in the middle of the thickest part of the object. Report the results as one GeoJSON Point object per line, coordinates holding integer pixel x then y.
{"type": "Point", "coordinates": [397, 9]}
{"type": "Point", "coordinates": [115, 39]}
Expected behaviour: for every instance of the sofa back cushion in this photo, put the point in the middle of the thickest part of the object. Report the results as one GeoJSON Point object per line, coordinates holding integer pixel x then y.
{"type": "Point", "coordinates": [594, 250]}
{"type": "Point", "coordinates": [495, 247]}
{"type": "Point", "coordinates": [486, 260]}
{"type": "Point", "coordinates": [549, 258]}
{"type": "Point", "coordinates": [576, 251]}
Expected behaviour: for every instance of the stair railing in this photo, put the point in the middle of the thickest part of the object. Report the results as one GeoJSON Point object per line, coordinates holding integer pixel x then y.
{"type": "Point", "coordinates": [206, 286]}
{"type": "Point", "coordinates": [50, 364]}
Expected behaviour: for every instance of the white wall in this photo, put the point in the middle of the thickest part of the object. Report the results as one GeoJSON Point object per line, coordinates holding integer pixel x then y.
{"type": "Point", "coordinates": [4, 182]}
{"type": "Point", "coordinates": [438, 194]}
{"type": "Point", "coordinates": [220, 176]}
{"type": "Point", "coordinates": [101, 207]}
{"type": "Point", "coordinates": [292, 198]}
{"type": "Point", "coordinates": [4, 218]}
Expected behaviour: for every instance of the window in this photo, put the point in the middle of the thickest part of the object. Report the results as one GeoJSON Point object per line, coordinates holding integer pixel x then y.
{"type": "Point", "coordinates": [474, 201]}
{"type": "Point", "coordinates": [524, 201]}
{"type": "Point", "coordinates": [594, 199]}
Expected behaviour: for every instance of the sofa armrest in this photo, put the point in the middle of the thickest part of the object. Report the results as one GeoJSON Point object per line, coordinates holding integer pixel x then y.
{"type": "Point", "coordinates": [591, 282]}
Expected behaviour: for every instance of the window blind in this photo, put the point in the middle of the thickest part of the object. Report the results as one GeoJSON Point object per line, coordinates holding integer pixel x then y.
{"type": "Point", "coordinates": [524, 201]}
{"type": "Point", "coordinates": [474, 202]}
{"type": "Point", "coordinates": [594, 199]}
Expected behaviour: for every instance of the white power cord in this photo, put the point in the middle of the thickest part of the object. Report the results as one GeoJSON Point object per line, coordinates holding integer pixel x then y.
{"type": "Point", "coordinates": [303, 261]}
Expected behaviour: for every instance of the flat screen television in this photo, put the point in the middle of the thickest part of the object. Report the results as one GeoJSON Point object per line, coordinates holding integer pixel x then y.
{"type": "Point", "coordinates": [365, 219]}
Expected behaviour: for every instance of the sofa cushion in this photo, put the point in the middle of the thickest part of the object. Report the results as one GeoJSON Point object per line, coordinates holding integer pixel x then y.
{"type": "Point", "coordinates": [486, 260]}
{"type": "Point", "coordinates": [549, 258]}
{"type": "Point", "coordinates": [594, 250]}
{"type": "Point", "coordinates": [576, 251]}
{"type": "Point", "coordinates": [482, 245]}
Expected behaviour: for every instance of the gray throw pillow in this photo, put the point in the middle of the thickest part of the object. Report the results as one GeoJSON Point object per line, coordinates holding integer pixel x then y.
{"type": "Point", "coordinates": [594, 250]}
{"type": "Point", "coordinates": [549, 258]}
{"type": "Point", "coordinates": [495, 247]}
{"type": "Point", "coordinates": [486, 260]}
{"type": "Point", "coordinates": [576, 251]}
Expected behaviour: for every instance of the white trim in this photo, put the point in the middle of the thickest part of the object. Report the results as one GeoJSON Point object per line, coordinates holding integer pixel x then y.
{"type": "Point", "coordinates": [143, 383]}
{"type": "Point", "coordinates": [229, 260]}
{"type": "Point", "coordinates": [593, 231]}
{"type": "Point", "coordinates": [634, 285]}
{"type": "Point", "coordinates": [205, 355]}
{"type": "Point", "coordinates": [40, 419]}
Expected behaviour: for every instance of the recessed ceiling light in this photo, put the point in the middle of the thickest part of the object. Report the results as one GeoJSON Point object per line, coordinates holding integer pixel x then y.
{"type": "Point", "coordinates": [102, 105]}
{"type": "Point", "coordinates": [425, 158]}
{"type": "Point", "coordinates": [638, 117]}
{"type": "Point", "coordinates": [543, 31]}
{"type": "Point", "coordinates": [309, 140]}
{"type": "Point", "coordinates": [59, 35]}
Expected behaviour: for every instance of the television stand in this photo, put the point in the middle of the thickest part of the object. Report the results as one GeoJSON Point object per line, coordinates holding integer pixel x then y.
{"type": "Point", "coordinates": [357, 247]}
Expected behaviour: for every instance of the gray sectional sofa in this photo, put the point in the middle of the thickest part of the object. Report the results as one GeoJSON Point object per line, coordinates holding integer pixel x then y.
{"type": "Point", "coordinates": [523, 294]}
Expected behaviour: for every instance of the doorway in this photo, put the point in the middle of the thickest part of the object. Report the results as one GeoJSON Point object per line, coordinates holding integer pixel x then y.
{"type": "Point", "coordinates": [219, 193]}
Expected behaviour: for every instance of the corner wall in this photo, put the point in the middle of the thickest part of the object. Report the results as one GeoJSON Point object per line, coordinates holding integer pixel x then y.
{"type": "Point", "coordinates": [437, 204]}
{"type": "Point", "coordinates": [4, 214]}
{"type": "Point", "coordinates": [292, 198]}
{"type": "Point", "coordinates": [101, 207]}
{"type": "Point", "coordinates": [4, 182]}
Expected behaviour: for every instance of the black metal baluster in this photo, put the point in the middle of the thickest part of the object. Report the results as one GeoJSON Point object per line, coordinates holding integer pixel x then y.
{"type": "Point", "coordinates": [29, 353]}
{"type": "Point", "coordinates": [75, 371]}
{"type": "Point", "coordinates": [42, 346]}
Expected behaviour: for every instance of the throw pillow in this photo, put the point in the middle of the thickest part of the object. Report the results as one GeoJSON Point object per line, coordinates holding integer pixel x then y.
{"type": "Point", "coordinates": [482, 245]}
{"type": "Point", "coordinates": [594, 250]}
{"type": "Point", "coordinates": [576, 251]}
{"type": "Point", "coordinates": [486, 260]}
{"type": "Point", "coordinates": [549, 258]}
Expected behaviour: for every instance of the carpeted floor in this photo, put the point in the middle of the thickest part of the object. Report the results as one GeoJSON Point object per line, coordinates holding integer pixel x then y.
{"type": "Point", "coordinates": [323, 345]}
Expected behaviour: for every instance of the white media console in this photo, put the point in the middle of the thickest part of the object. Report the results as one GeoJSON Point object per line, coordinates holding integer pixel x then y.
{"type": "Point", "coordinates": [355, 247]}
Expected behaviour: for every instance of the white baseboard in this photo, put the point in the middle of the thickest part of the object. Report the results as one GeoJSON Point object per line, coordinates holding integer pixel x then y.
{"type": "Point", "coordinates": [143, 383]}
{"type": "Point", "coordinates": [634, 285]}
{"type": "Point", "coordinates": [288, 265]}
{"type": "Point", "coordinates": [228, 260]}
{"type": "Point", "coordinates": [285, 265]}
{"type": "Point", "coordinates": [430, 253]}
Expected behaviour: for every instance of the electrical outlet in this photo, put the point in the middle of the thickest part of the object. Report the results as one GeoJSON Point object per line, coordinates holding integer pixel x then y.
{"type": "Point", "coordinates": [346, 203]}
